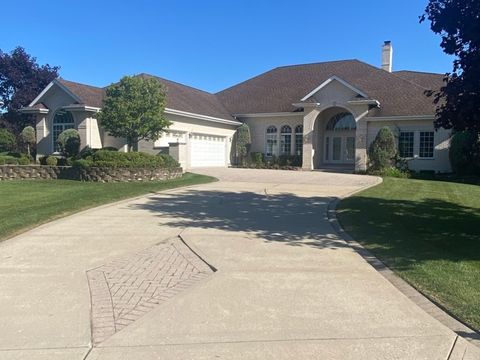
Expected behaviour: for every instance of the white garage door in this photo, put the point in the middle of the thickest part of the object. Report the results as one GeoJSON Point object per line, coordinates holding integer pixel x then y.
{"type": "Point", "coordinates": [207, 150]}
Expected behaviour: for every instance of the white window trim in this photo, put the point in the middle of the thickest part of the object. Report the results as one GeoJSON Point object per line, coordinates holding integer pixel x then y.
{"type": "Point", "coordinates": [274, 153]}
{"type": "Point", "coordinates": [416, 143]}
{"type": "Point", "coordinates": [434, 151]}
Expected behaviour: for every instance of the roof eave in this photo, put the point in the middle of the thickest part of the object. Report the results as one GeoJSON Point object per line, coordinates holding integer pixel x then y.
{"type": "Point", "coordinates": [32, 110]}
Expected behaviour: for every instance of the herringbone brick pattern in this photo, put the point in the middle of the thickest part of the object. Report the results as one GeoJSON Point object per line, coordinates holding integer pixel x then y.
{"type": "Point", "coordinates": [125, 289]}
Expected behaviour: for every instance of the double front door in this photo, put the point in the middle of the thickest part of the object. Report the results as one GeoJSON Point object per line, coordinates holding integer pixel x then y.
{"type": "Point", "coordinates": [339, 148]}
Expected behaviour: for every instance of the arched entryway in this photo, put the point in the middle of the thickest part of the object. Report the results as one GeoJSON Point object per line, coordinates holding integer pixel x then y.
{"type": "Point", "coordinates": [340, 139]}
{"type": "Point", "coordinates": [334, 139]}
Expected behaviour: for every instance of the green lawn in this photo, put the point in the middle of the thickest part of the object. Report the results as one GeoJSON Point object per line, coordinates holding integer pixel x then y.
{"type": "Point", "coordinates": [428, 232]}
{"type": "Point", "coordinates": [25, 204]}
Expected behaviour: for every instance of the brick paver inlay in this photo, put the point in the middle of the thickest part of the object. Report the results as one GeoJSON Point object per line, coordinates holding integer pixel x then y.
{"type": "Point", "coordinates": [123, 290]}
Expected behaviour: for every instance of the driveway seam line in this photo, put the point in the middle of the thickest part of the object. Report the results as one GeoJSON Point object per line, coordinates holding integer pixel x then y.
{"type": "Point", "coordinates": [424, 302]}
{"type": "Point", "coordinates": [275, 340]}
{"type": "Point", "coordinates": [213, 268]}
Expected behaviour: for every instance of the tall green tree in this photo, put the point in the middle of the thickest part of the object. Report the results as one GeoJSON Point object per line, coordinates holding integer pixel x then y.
{"type": "Point", "coordinates": [21, 80]}
{"type": "Point", "coordinates": [458, 24]}
{"type": "Point", "coordinates": [134, 109]}
{"type": "Point", "coordinates": [242, 143]}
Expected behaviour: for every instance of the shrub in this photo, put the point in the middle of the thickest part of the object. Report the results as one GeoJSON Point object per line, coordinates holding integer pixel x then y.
{"type": "Point", "coordinates": [115, 159]}
{"type": "Point", "coordinates": [82, 163]}
{"type": "Point", "coordinates": [169, 162]}
{"type": "Point", "coordinates": [257, 159]}
{"type": "Point", "coordinates": [8, 160]}
{"type": "Point", "coordinates": [43, 160]}
{"type": "Point", "coordinates": [51, 160]}
{"type": "Point", "coordinates": [86, 152]}
{"type": "Point", "coordinates": [69, 141]}
{"type": "Point", "coordinates": [290, 160]}
{"type": "Point", "coordinates": [8, 141]}
{"type": "Point", "coordinates": [110, 148]}
{"type": "Point", "coordinates": [390, 172]}
{"type": "Point", "coordinates": [25, 160]}
{"type": "Point", "coordinates": [382, 150]}
{"type": "Point", "coordinates": [464, 153]}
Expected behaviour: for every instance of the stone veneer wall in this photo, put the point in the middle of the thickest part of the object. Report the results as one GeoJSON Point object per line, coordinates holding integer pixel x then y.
{"type": "Point", "coordinates": [45, 172]}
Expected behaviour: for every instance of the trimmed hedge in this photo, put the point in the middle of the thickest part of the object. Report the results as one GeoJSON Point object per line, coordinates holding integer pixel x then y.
{"type": "Point", "coordinates": [15, 159]}
{"type": "Point", "coordinates": [115, 159]}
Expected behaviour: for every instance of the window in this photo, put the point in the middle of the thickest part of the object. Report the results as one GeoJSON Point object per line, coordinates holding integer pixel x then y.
{"type": "Point", "coordinates": [62, 121]}
{"type": "Point", "coordinates": [285, 140]}
{"type": "Point", "coordinates": [299, 140]}
{"type": "Point", "coordinates": [342, 121]}
{"type": "Point", "coordinates": [272, 142]}
{"type": "Point", "coordinates": [426, 144]}
{"type": "Point", "coordinates": [405, 144]}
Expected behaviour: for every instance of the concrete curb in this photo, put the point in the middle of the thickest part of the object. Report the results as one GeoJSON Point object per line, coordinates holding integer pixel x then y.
{"type": "Point", "coordinates": [425, 303]}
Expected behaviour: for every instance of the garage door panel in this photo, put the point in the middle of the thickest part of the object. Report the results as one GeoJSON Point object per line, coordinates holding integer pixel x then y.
{"type": "Point", "coordinates": [207, 150]}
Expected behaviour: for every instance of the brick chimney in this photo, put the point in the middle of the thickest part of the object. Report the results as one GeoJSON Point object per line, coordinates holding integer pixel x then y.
{"type": "Point", "coordinates": [387, 56]}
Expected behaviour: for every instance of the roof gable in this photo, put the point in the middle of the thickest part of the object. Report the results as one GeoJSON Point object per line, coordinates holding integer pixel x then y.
{"type": "Point", "coordinates": [329, 81]}
{"type": "Point", "coordinates": [48, 89]}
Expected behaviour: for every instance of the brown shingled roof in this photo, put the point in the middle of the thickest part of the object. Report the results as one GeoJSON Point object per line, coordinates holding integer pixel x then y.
{"type": "Point", "coordinates": [179, 97]}
{"type": "Point", "coordinates": [278, 89]}
{"type": "Point", "coordinates": [189, 99]}
{"type": "Point", "coordinates": [88, 95]}
{"type": "Point", "coordinates": [430, 81]}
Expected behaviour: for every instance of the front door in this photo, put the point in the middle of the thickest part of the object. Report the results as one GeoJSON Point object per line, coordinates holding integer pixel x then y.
{"type": "Point", "coordinates": [339, 148]}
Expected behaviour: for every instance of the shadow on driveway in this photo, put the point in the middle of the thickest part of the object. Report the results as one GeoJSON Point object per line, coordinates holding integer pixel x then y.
{"type": "Point", "coordinates": [286, 218]}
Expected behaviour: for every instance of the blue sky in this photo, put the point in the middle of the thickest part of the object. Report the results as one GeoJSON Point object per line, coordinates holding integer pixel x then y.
{"type": "Point", "coordinates": [213, 44]}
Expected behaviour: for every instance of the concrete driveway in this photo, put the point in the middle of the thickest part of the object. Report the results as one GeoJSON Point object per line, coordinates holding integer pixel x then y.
{"type": "Point", "coordinates": [244, 268]}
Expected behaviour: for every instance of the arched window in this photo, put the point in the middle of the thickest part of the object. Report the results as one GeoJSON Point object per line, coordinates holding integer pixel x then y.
{"type": "Point", "coordinates": [342, 121]}
{"type": "Point", "coordinates": [299, 140]}
{"type": "Point", "coordinates": [285, 140]}
{"type": "Point", "coordinates": [62, 121]}
{"type": "Point", "coordinates": [272, 142]}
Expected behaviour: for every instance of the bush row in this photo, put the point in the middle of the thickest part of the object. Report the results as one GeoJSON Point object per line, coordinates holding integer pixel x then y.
{"type": "Point", "coordinates": [9, 158]}
{"type": "Point", "coordinates": [115, 159]}
{"type": "Point", "coordinates": [258, 160]}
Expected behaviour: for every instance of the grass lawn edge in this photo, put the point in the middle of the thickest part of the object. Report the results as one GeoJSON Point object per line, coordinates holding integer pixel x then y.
{"type": "Point", "coordinates": [426, 302]}
{"type": "Point", "coordinates": [175, 184]}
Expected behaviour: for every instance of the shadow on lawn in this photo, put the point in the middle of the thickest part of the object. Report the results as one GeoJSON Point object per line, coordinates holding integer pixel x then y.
{"type": "Point", "coordinates": [283, 217]}
{"type": "Point", "coordinates": [406, 232]}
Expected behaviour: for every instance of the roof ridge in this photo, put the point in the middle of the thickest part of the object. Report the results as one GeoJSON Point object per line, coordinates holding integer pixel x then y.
{"type": "Point", "coordinates": [393, 74]}
{"type": "Point", "coordinates": [78, 83]}
{"type": "Point", "coordinates": [316, 63]}
{"type": "Point", "coordinates": [175, 82]}
{"type": "Point", "coordinates": [419, 72]}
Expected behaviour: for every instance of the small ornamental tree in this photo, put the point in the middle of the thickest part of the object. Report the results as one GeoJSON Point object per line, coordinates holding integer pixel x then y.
{"type": "Point", "coordinates": [7, 140]}
{"type": "Point", "coordinates": [69, 141]}
{"type": "Point", "coordinates": [133, 109]}
{"type": "Point", "coordinates": [27, 136]}
{"type": "Point", "coordinates": [243, 143]}
{"type": "Point", "coordinates": [382, 150]}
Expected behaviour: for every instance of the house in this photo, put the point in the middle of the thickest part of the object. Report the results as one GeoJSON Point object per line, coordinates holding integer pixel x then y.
{"type": "Point", "coordinates": [327, 112]}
